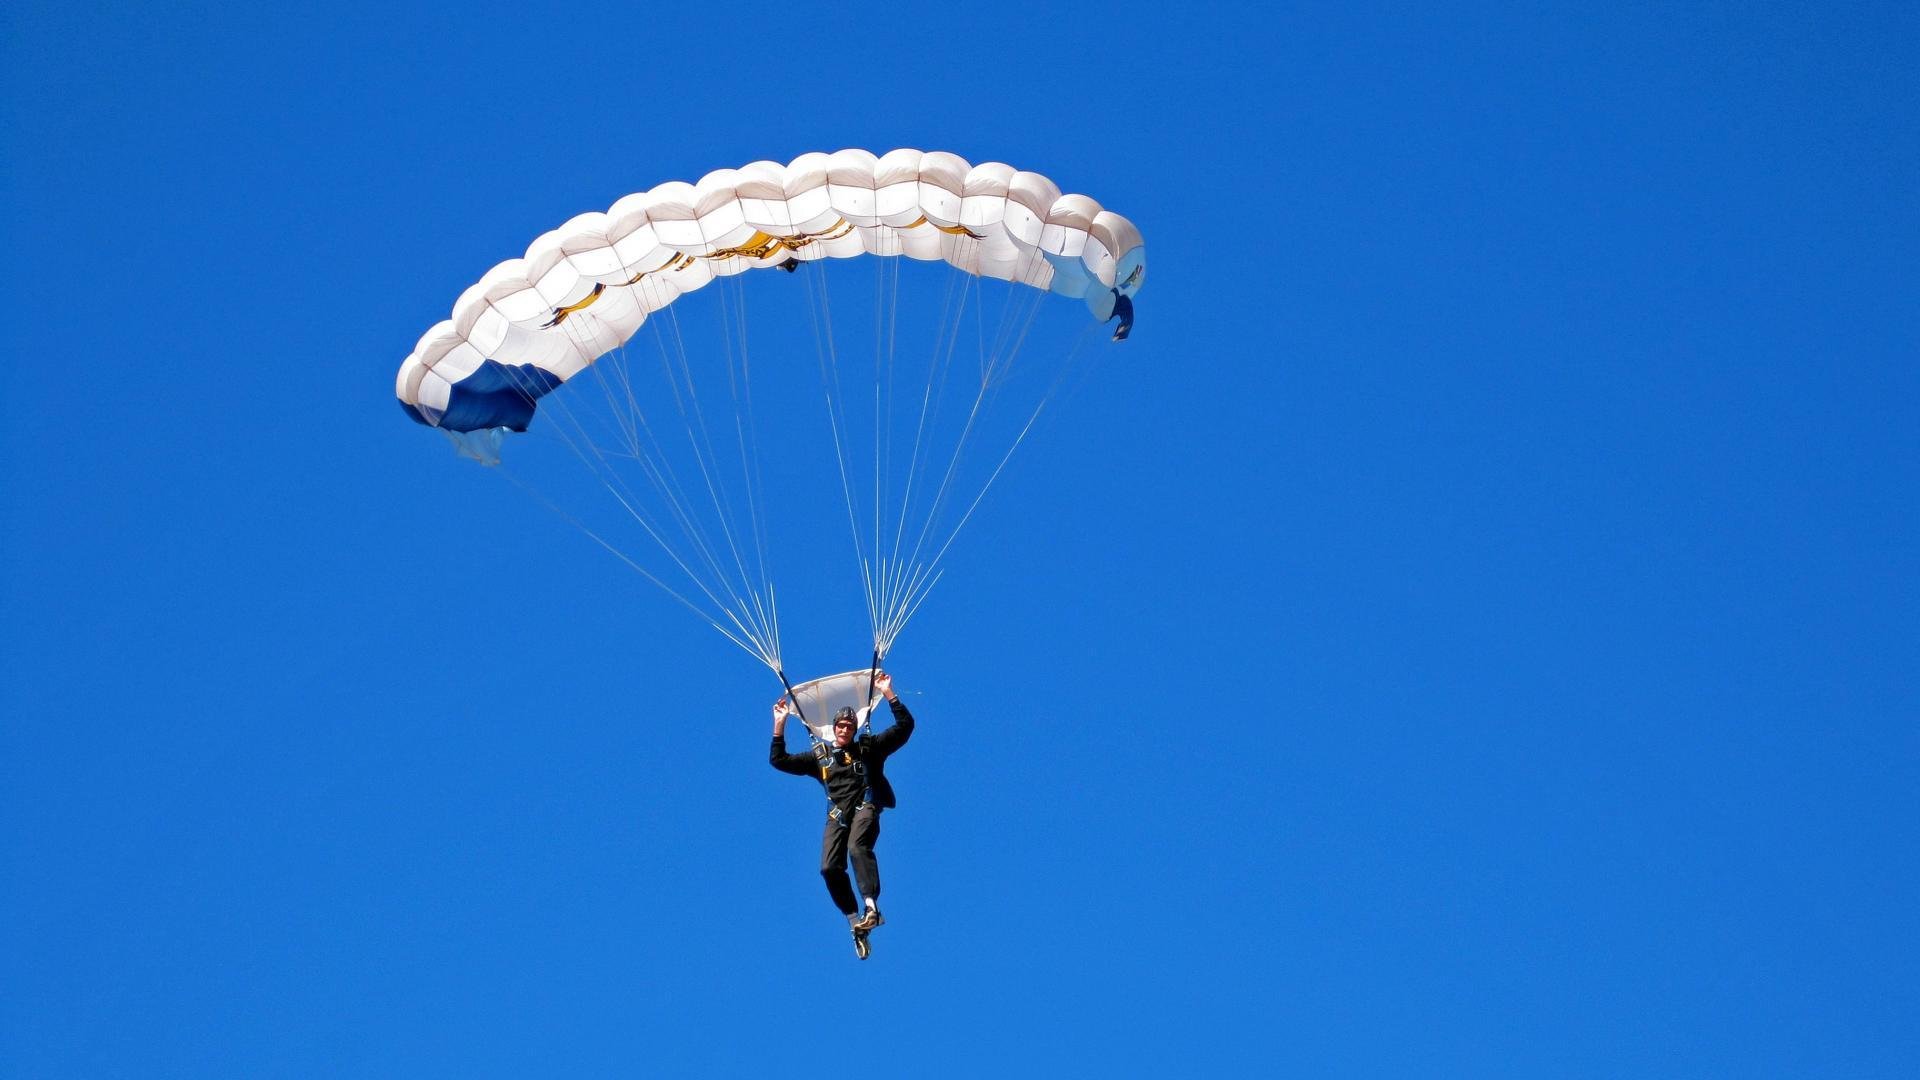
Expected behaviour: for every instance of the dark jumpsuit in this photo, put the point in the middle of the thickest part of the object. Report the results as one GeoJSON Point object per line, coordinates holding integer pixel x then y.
{"type": "Point", "coordinates": [857, 790]}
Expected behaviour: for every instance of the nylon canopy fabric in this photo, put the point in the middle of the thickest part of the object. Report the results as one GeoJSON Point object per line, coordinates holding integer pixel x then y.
{"type": "Point", "coordinates": [583, 289]}
{"type": "Point", "coordinates": [819, 699]}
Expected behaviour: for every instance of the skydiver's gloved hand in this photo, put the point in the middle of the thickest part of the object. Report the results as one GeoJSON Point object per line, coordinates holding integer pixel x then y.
{"type": "Point", "coordinates": [780, 710]}
{"type": "Point", "coordinates": [883, 682]}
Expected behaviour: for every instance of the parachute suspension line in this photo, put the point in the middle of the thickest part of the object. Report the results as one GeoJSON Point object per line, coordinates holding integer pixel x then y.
{"type": "Point", "coordinates": [734, 331]}
{"type": "Point", "coordinates": [880, 267]}
{"type": "Point", "coordinates": [632, 417]}
{"type": "Point", "coordinates": [680, 377]}
{"type": "Point", "coordinates": [746, 433]}
{"type": "Point", "coordinates": [754, 650]}
{"type": "Point", "coordinates": [953, 464]}
{"type": "Point", "coordinates": [953, 308]}
{"type": "Point", "coordinates": [620, 418]}
{"type": "Point", "coordinates": [660, 474]}
{"type": "Point", "coordinates": [1066, 370]}
{"type": "Point", "coordinates": [700, 441]}
{"type": "Point", "coordinates": [886, 337]}
{"type": "Point", "coordinates": [886, 324]}
{"type": "Point", "coordinates": [904, 572]}
{"type": "Point", "coordinates": [900, 621]}
{"type": "Point", "coordinates": [756, 492]}
{"type": "Point", "coordinates": [572, 440]}
{"type": "Point", "coordinates": [580, 442]}
{"type": "Point", "coordinates": [1009, 338]}
{"type": "Point", "coordinates": [578, 438]}
{"type": "Point", "coordinates": [665, 480]}
{"type": "Point", "coordinates": [884, 570]}
{"type": "Point", "coordinates": [822, 313]}
{"type": "Point", "coordinates": [912, 571]}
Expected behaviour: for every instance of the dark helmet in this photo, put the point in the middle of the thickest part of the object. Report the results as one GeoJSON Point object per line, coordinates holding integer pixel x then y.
{"type": "Point", "coordinates": [846, 713]}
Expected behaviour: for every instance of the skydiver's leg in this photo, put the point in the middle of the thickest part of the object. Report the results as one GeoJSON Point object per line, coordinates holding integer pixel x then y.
{"type": "Point", "coordinates": [833, 865]}
{"type": "Point", "coordinates": [865, 834]}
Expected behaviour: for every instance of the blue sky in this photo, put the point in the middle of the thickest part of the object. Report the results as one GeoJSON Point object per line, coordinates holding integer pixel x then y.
{"type": "Point", "coordinates": [1469, 629]}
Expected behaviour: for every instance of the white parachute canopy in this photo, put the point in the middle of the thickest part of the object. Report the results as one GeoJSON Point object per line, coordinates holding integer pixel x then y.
{"type": "Point", "coordinates": [687, 410]}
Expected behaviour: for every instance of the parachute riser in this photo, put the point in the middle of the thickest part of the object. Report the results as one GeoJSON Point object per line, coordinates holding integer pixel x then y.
{"type": "Point", "coordinates": [863, 696]}
{"type": "Point", "coordinates": [866, 725]}
{"type": "Point", "coordinates": [795, 698]}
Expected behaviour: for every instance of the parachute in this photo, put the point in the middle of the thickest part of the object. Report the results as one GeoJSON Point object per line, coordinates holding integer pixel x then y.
{"type": "Point", "coordinates": [554, 341]}
{"type": "Point", "coordinates": [818, 701]}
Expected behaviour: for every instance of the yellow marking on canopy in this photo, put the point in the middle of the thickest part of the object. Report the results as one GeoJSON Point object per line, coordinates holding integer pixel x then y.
{"type": "Point", "coordinates": [763, 245]}
{"type": "Point", "coordinates": [758, 246]}
{"type": "Point", "coordinates": [560, 314]}
{"type": "Point", "coordinates": [678, 262]}
{"type": "Point", "coordinates": [950, 230]}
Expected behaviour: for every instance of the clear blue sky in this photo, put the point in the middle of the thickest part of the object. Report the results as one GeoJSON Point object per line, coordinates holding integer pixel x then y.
{"type": "Point", "coordinates": [1469, 630]}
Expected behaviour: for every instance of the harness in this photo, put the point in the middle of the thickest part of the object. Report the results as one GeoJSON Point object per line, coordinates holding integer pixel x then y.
{"type": "Point", "coordinates": [823, 755]}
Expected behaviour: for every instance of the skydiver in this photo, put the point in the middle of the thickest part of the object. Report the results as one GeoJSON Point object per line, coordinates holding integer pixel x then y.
{"type": "Point", "coordinates": [853, 771]}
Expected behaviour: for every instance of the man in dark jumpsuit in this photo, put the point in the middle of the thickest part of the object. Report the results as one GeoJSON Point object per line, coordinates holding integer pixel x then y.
{"type": "Point", "coordinates": [853, 770]}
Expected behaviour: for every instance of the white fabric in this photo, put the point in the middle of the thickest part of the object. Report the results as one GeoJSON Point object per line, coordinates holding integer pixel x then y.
{"type": "Point", "coordinates": [654, 246]}
{"type": "Point", "coordinates": [822, 698]}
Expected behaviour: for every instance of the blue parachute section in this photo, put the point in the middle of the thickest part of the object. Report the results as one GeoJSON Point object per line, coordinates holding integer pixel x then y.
{"type": "Point", "coordinates": [495, 396]}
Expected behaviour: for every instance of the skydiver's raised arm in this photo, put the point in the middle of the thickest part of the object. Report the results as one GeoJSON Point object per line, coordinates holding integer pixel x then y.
{"type": "Point", "coordinates": [886, 742]}
{"type": "Point", "coordinates": [777, 756]}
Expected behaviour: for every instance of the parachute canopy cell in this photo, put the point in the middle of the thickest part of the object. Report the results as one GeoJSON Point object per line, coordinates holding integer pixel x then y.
{"type": "Point", "coordinates": [583, 289]}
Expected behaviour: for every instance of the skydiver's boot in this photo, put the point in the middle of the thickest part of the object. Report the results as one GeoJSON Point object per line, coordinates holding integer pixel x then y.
{"type": "Point", "coordinates": [872, 918]}
{"type": "Point", "coordinates": [859, 934]}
